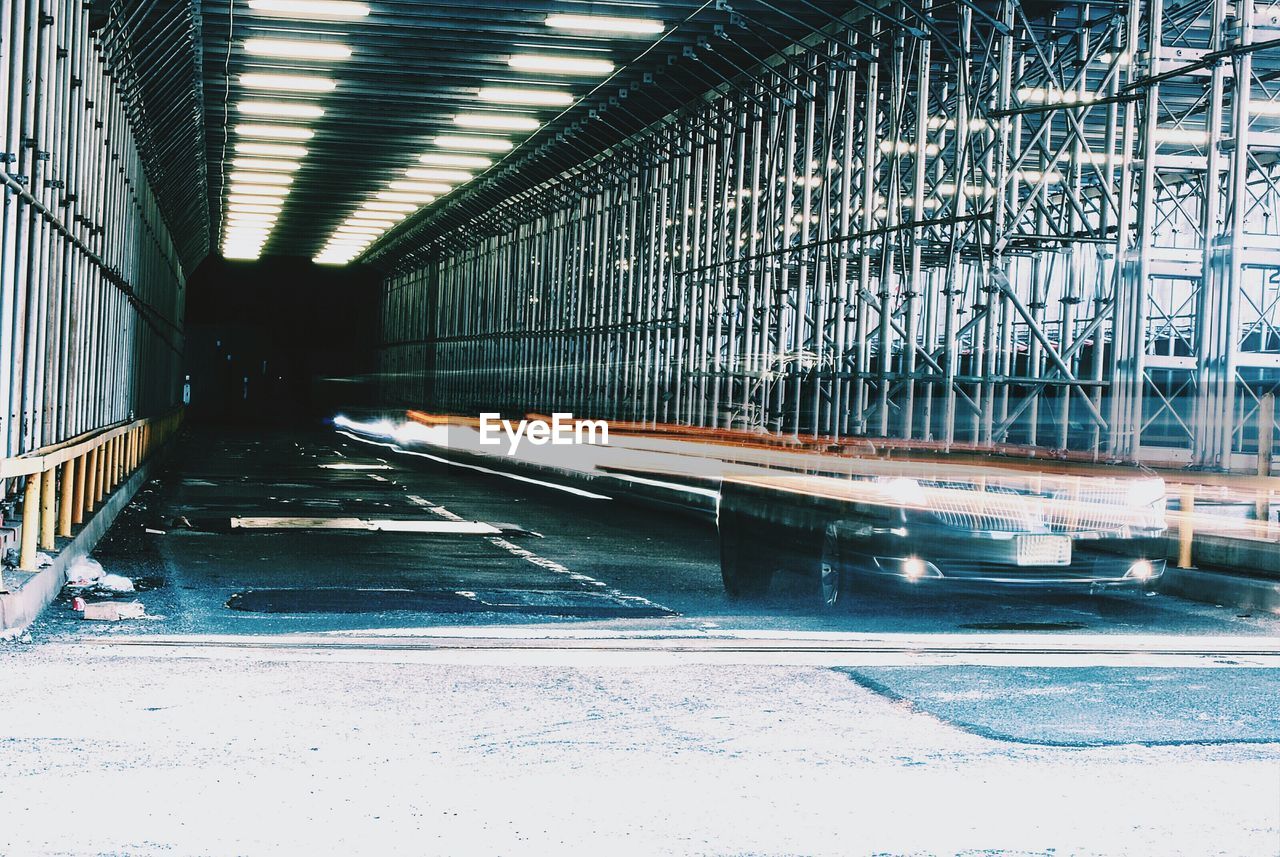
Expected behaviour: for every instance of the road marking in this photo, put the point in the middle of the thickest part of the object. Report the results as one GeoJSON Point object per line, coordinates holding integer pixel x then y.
{"type": "Point", "coordinates": [351, 465]}
{"type": "Point", "coordinates": [456, 526]}
{"type": "Point", "coordinates": [541, 646]}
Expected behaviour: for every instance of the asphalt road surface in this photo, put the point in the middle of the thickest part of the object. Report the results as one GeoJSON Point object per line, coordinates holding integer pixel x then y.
{"type": "Point", "coordinates": [529, 671]}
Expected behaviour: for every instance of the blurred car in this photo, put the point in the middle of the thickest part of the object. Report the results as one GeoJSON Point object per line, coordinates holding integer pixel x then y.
{"type": "Point", "coordinates": [1022, 530]}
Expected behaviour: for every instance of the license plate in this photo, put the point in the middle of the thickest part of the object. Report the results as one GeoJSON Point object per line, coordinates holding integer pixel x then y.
{"type": "Point", "coordinates": [1044, 550]}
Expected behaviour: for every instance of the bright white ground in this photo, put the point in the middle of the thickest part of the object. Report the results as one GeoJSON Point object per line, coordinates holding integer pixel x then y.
{"type": "Point", "coordinates": [301, 755]}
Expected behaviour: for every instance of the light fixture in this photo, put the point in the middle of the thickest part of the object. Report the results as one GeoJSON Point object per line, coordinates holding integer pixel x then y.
{"type": "Point", "coordinates": [441, 160]}
{"type": "Point", "coordinates": [260, 178]}
{"type": "Point", "coordinates": [435, 175]}
{"type": "Point", "coordinates": [419, 198]}
{"type": "Point", "coordinates": [542, 97]}
{"type": "Point", "coordinates": [385, 221]}
{"type": "Point", "coordinates": [358, 230]}
{"type": "Point", "coordinates": [604, 24]}
{"type": "Point", "coordinates": [310, 8]}
{"type": "Point", "coordinates": [249, 217]}
{"type": "Point", "coordinates": [1188, 136]}
{"type": "Point", "coordinates": [389, 206]}
{"type": "Point", "coordinates": [291, 49]}
{"type": "Point", "coordinates": [275, 132]}
{"type": "Point", "coordinates": [234, 197]}
{"type": "Point", "coordinates": [240, 254]}
{"type": "Point", "coordinates": [259, 190]}
{"type": "Point", "coordinates": [258, 206]}
{"type": "Point", "coordinates": [288, 82]}
{"type": "Point", "coordinates": [496, 120]}
{"type": "Point", "coordinates": [560, 64]}
{"type": "Point", "coordinates": [477, 144]}
{"type": "Point", "coordinates": [282, 109]}
{"type": "Point", "coordinates": [273, 149]}
{"type": "Point", "coordinates": [265, 165]}
{"type": "Point", "coordinates": [422, 187]}
{"type": "Point", "coordinates": [1264, 108]}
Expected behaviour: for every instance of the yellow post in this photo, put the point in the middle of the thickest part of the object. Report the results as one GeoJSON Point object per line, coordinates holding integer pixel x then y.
{"type": "Point", "coordinates": [82, 473]}
{"type": "Point", "coordinates": [104, 453]}
{"type": "Point", "coordinates": [91, 494]}
{"type": "Point", "coordinates": [66, 497]}
{"type": "Point", "coordinates": [30, 523]}
{"type": "Point", "coordinates": [1186, 529]}
{"type": "Point", "coordinates": [47, 510]}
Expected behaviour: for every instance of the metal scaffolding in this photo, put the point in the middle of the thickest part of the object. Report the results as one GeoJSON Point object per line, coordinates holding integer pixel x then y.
{"type": "Point", "coordinates": [1054, 225]}
{"type": "Point", "coordinates": [91, 294]}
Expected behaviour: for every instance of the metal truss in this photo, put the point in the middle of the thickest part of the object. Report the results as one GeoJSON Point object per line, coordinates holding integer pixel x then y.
{"type": "Point", "coordinates": [90, 282]}
{"type": "Point", "coordinates": [941, 223]}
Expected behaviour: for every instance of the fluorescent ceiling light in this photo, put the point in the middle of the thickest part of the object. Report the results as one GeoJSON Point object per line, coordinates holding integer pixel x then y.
{"type": "Point", "coordinates": [496, 120]}
{"type": "Point", "coordinates": [385, 221]}
{"type": "Point", "coordinates": [286, 109]}
{"type": "Point", "coordinates": [259, 206]}
{"type": "Point", "coordinates": [389, 206]}
{"type": "Point", "coordinates": [421, 187]}
{"type": "Point", "coordinates": [246, 217]}
{"type": "Point", "coordinates": [476, 144]}
{"type": "Point", "coordinates": [253, 199]}
{"type": "Point", "coordinates": [1264, 108]}
{"type": "Point", "coordinates": [265, 164]}
{"type": "Point", "coordinates": [310, 8]}
{"type": "Point", "coordinates": [604, 24]}
{"type": "Point", "coordinates": [560, 64]}
{"type": "Point", "coordinates": [419, 198]}
{"type": "Point", "coordinates": [240, 254]}
{"type": "Point", "coordinates": [261, 178]}
{"type": "Point", "coordinates": [544, 97]}
{"type": "Point", "coordinates": [436, 175]}
{"type": "Point", "coordinates": [273, 149]}
{"type": "Point", "coordinates": [275, 132]}
{"type": "Point", "coordinates": [456, 160]}
{"type": "Point", "coordinates": [288, 82]}
{"type": "Point", "coordinates": [297, 50]}
{"type": "Point", "coordinates": [259, 190]}
{"type": "Point", "coordinates": [371, 231]}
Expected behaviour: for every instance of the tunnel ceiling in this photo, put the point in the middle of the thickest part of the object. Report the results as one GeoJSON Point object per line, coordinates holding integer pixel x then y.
{"type": "Point", "coordinates": [402, 71]}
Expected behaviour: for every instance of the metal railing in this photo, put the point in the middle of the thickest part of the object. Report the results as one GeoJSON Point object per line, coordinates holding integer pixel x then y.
{"type": "Point", "coordinates": [62, 484]}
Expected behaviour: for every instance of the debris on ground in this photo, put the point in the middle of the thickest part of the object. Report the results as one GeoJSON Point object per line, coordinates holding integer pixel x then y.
{"type": "Point", "coordinates": [84, 572]}
{"type": "Point", "coordinates": [43, 560]}
{"type": "Point", "coordinates": [155, 532]}
{"type": "Point", "coordinates": [114, 584]}
{"type": "Point", "coordinates": [110, 611]}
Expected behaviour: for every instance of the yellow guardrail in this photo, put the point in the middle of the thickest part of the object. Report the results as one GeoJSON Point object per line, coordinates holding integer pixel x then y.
{"type": "Point", "coordinates": [66, 481]}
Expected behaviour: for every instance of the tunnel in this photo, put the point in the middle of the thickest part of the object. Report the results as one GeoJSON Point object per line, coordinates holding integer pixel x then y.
{"type": "Point", "coordinates": [656, 427]}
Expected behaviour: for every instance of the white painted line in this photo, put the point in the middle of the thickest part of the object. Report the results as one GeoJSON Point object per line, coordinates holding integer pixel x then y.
{"type": "Point", "coordinates": [451, 527]}
{"type": "Point", "coordinates": [351, 465]}
{"type": "Point", "coordinates": [260, 523]}
{"type": "Point", "coordinates": [478, 528]}
{"type": "Point", "coordinates": [514, 653]}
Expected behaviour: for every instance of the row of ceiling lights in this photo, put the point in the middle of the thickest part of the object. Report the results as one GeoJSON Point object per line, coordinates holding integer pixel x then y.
{"type": "Point", "coordinates": [267, 153]}
{"type": "Point", "coordinates": [480, 136]}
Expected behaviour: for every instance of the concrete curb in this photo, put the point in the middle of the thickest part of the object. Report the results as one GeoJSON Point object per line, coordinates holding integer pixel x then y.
{"type": "Point", "coordinates": [1220, 587]}
{"type": "Point", "coordinates": [29, 593]}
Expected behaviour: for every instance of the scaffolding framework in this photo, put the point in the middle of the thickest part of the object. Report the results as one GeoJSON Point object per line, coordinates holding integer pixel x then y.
{"type": "Point", "coordinates": [948, 223]}
{"type": "Point", "coordinates": [91, 294]}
